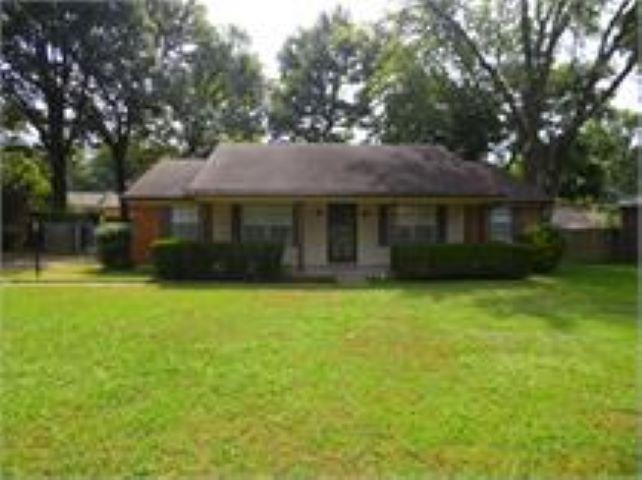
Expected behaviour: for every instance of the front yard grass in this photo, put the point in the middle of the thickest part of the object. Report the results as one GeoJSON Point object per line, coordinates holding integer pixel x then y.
{"type": "Point", "coordinates": [525, 378]}
{"type": "Point", "coordinates": [85, 270]}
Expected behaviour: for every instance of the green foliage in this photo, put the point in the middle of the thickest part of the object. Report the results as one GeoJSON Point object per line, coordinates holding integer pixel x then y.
{"type": "Point", "coordinates": [24, 190]}
{"type": "Point", "coordinates": [490, 260]}
{"type": "Point", "coordinates": [113, 245]}
{"type": "Point", "coordinates": [545, 91]}
{"type": "Point", "coordinates": [95, 171]}
{"type": "Point", "coordinates": [320, 96]}
{"type": "Point", "coordinates": [177, 259]}
{"type": "Point", "coordinates": [601, 164]}
{"type": "Point", "coordinates": [113, 73]}
{"type": "Point", "coordinates": [215, 94]}
{"type": "Point", "coordinates": [44, 45]}
{"type": "Point", "coordinates": [547, 245]}
{"type": "Point", "coordinates": [422, 104]}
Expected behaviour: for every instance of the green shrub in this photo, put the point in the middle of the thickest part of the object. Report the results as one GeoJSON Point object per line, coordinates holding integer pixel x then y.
{"type": "Point", "coordinates": [547, 246]}
{"type": "Point", "coordinates": [181, 259]}
{"type": "Point", "coordinates": [177, 259]}
{"type": "Point", "coordinates": [113, 245]}
{"type": "Point", "coordinates": [490, 260]}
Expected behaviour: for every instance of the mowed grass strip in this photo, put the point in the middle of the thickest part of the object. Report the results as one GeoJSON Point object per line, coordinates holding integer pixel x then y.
{"type": "Point", "coordinates": [527, 378]}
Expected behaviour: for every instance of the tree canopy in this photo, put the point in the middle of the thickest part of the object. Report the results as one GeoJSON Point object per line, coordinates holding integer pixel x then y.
{"type": "Point", "coordinates": [553, 64]}
{"type": "Point", "coordinates": [323, 70]}
{"type": "Point", "coordinates": [102, 73]}
{"type": "Point", "coordinates": [42, 50]}
{"type": "Point", "coordinates": [525, 83]}
{"type": "Point", "coordinates": [417, 101]}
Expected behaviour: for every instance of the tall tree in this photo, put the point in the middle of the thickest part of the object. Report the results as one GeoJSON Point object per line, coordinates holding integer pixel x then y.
{"type": "Point", "coordinates": [417, 101]}
{"type": "Point", "coordinates": [554, 64]}
{"type": "Point", "coordinates": [120, 63]}
{"type": "Point", "coordinates": [602, 161]}
{"type": "Point", "coordinates": [42, 45]}
{"type": "Point", "coordinates": [216, 94]}
{"type": "Point", "coordinates": [93, 169]}
{"type": "Point", "coordinates": [24, 189]}
{"type": "Point", "coordinates": [321, 96]}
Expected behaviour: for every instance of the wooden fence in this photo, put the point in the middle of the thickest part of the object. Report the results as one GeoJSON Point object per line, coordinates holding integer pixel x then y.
{"type": "Point", "coordinates": [595, 245]}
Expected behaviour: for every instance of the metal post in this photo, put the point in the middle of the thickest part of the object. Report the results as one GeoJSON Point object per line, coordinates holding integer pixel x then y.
{"type": "Point", "coordinates": [37, 229]}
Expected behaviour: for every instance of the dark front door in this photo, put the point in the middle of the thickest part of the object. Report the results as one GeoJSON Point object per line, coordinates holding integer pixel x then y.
{"type": "Point", "coordinates": [342, 232]}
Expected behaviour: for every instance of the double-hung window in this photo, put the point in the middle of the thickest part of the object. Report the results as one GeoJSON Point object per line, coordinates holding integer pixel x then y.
{"type": "Point", "coordinates": [267, 223]}
{"type": "Point", "coordinates": [501, 224]}
{"type": "Point", "coordinates": [184, 222]}
{"type": "Point", "coordinates": [413, 224]}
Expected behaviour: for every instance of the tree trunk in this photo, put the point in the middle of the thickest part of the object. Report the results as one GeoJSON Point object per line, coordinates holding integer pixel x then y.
{"type": "Point", "coordinates": [543, 166]}
{"type": "Point", "coordinates": [58, 164]}
{"type": "Point", "coordinates": [534, 164]}
{"type": "Point", "coordinates": [57, 154]}
{"type": "Point", "coordinates": [119, 153]}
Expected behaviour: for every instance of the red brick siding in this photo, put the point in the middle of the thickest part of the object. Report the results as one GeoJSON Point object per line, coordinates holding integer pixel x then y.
{"type": "Point", "coordinates": [146, 227]}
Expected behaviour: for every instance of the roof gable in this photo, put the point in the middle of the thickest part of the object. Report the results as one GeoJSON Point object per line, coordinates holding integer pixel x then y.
{"type": "Point", "coordinates": [166, 179]}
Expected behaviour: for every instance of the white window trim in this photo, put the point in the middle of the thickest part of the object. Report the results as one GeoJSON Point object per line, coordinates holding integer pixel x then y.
{"type": "Point", "coordinates": [413, 217]}
{"type": "Point", "coordinates": [266, 217]}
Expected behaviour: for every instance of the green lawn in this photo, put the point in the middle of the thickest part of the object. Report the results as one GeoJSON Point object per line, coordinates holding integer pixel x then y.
{"type": "Point", "coordinates": [71, 270]}
{"type": "Point", "coordinates": [529, 378]}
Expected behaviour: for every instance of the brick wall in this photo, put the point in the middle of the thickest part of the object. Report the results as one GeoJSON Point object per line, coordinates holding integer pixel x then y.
{"type": "Point", "coordinates": [146, 227]}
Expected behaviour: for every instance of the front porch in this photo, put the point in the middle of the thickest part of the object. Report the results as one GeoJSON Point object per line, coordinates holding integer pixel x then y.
{"type": "Point", "coordinates": [326, 236]}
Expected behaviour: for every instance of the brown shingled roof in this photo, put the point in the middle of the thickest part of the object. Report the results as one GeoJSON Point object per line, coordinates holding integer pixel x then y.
{"type": "Point", "coordinates": [330, 170]}
{"type": "Point", "coordinates": [166, 179]}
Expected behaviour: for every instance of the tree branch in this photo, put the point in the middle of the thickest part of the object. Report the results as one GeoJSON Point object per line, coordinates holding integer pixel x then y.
{"type": "Point", "coordinates": [585, 112]}
{"type": "Point", "coordinates": [494, 74]}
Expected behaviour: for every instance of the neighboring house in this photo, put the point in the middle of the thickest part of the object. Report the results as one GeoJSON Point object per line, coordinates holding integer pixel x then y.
{"type": "Point", "coordinates": [102, 204]}
{"type": "Point", "coordinates": [73, 232]}
{"type": "Point", "coordinates": [568, 216]}
{"type": "Point", "coordinates": [335, 207]}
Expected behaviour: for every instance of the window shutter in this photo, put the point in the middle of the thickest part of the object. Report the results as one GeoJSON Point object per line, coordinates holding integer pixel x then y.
{"type": "Point", "coordinates": [236, 223]}
{"type": "Point", "coordinates": [384, 225]}
{"type": "Point", "coordinates": [484, 223]}
{"type": "Point", "coordinates": [442, 224]}
{"type": "Point", "coordinates": [165, 221]}
{"type": "Point", "coordinates": [205, 223]}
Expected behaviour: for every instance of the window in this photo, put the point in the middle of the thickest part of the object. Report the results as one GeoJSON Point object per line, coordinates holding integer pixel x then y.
{"type": "Point", "coordinates": [501, 224]}
{"type": "Point", "coordinates": [413, 224]}
{"type": "Point", "coordinates": [184, 222]}
{"type": "Point", "coordinates": [267, 223]}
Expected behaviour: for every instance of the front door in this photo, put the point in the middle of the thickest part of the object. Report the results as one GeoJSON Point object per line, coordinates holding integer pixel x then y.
{"type": "Point", "coordinates": [342, 232]}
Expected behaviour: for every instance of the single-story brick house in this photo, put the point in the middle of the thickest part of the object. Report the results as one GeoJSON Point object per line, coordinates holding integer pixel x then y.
{"type": "Point", "coordinates": [334, 206]}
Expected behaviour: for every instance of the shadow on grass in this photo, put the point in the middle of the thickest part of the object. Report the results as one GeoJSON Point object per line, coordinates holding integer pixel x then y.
{"type": "Point", "coordinates": [575, 293]}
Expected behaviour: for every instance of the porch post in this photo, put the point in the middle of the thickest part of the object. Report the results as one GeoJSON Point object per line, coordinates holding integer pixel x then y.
{"type": "Point", "coordinates": [299, 218]}
{"type": "Point", "coordinates": [205, 223]}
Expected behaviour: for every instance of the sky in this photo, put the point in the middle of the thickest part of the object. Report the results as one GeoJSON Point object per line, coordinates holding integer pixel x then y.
{"type": "Point", "coordinates": [270, 22]}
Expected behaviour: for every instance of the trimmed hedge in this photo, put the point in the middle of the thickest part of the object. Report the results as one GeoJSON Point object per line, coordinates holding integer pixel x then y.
{"type": "Point", "coordinates": [177, 259]}
{"type": "Point", "coordinates": [488, 260]}
{"type": "Point", "coordinates": [547, 244]}
{"type": "Point", "coordinates": [112, 245]}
